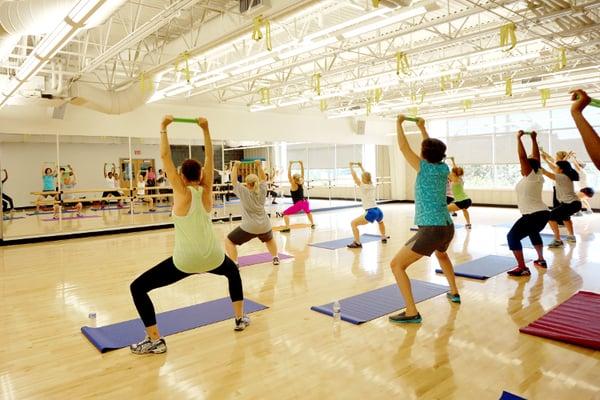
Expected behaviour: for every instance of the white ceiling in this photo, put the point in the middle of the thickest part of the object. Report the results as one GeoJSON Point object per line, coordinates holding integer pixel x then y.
{"type": "Point", "coordinates": [453, 50]}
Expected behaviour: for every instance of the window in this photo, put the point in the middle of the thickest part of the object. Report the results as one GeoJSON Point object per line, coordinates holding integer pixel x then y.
{"type": "Point", "coordinates": [489, 144]}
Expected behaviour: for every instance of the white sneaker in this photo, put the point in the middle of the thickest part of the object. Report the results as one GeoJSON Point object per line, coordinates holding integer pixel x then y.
{"type": "Point", "coordinates": [571, 239]}
{"type": "Point", "coordinates": [275, 260]}
{"type": "Point", "coordinates": [148, 346]}
{"type": "Point", "coordinates": [242, 323]}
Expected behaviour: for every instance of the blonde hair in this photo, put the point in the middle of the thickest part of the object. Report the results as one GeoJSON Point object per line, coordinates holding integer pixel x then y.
{"type": "Point", "coordinates": [297, 178]}
{"type": "Point", "coordinates": [252, 180]}
{"type": "Point", "coordinates": [561, 155]}
{"type": "Point", "coordinates": [366, 177]}
{"type": "Point", "coordinates": [458, 171]}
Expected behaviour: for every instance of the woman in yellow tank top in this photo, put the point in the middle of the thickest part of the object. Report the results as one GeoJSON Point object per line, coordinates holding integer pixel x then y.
{"type": "Point", "coordinates": [196, 247]}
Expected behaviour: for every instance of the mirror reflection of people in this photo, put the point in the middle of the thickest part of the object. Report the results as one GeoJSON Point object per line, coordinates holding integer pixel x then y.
{"type": "Point", "coordinates": [48, 185]}
{"type": "Point", "coordinates": [7, 202]}
{"type": "Point", "coordinates": [141, 193]}
{"type": "Point", "coordinates": [151, 180]}
{"type": "Point", "coordinates": [68, 180]}
{"type": "Point", "coordinates": [112, 183]}
{"type": "Point", "coordinates": [585, 192]}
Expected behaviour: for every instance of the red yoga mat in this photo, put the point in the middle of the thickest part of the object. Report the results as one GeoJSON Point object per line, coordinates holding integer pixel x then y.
{"type": "Point", "coordinates": [576, 321]}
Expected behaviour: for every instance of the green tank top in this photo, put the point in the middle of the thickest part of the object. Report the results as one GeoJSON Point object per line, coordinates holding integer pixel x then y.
{"type": "Point", "coordinates": [196, 246]}
{"type": "Point", "coordinates": [459, 191]}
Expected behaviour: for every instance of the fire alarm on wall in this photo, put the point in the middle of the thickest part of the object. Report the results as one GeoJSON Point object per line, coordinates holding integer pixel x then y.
{"type": "Point", "coordinates": [137, 152]}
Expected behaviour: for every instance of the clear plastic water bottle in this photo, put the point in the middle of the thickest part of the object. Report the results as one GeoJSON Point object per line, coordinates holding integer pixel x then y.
{"type": "Point", "coordinates": [337, 311]}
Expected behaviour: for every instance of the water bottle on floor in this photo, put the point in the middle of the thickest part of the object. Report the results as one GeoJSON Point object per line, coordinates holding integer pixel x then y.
{"type": "Point", "coordinates": [337, 311]}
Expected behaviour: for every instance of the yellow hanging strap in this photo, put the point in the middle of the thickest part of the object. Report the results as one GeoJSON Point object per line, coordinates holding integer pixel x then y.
{"type": "Point", "coordinates": [413, 97]}
{"type": "Point", "coordinates": [508, 32]}
{"type": "Point", "coordinates": [369, 106]}
{"type": "Point", "coordinates": [377, 94]}
{"type": "Point", "coordinates": [323, 105]}
{"type": "Point", "coordinates": [317, 83]}
{"type": "Point", "coordinates": [145, 83]}
{"type": "Point", "coordinates": [402, 63]}
{"type": "Point", "coordinates": [562, 58]}
{"type": "Point", "coordinates": [508, 87]}
{"type": "Point", "coordinates": [185, 56]}
{"type": "Point", "coordinates": [265, 96]}
{"type": "Point", "coordinates": [545, 95]}
{"type": "Point", "coordinates": [257, 35]}
{"type": "Point", "coordinates": [413, 111]}
{"type": "Point", "coordinates": [375, 3]}
{"type": "Point", "coordinates": [467, 104]}
{"type": "Point", "coordinates": [444, 80]}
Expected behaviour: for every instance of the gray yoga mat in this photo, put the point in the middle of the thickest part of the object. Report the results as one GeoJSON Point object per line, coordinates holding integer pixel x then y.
{"type": "Point", "coordinates": [341, 243]}
{"type": "Point", "coordinates": [484, 267]}
{"type": "Point", "coordinates": [379, 302]}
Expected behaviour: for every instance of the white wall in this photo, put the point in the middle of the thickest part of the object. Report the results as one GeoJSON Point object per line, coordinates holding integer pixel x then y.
{"type": "Point", "coordinates": [225, 122]}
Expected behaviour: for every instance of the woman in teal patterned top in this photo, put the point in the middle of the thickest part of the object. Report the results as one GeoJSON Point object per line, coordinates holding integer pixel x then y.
{"type": "Point", "coordinates": [436, 229]}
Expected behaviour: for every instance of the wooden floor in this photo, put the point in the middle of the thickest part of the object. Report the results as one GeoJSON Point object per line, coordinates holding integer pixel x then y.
{"type": "Point", "coordinates": [471, 351]}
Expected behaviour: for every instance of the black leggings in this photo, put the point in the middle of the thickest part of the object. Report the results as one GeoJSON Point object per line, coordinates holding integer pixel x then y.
{"type": "Point", "coordinates": [7, 202]}
{"type": "Point", "coordinates": [272, 193]}
{"type": "Point", "coordinates": [528, 225]}
{"type": "Point", "coordinates": [166, 273]}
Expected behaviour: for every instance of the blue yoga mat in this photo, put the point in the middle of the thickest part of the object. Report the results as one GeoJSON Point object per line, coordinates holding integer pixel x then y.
{"type": "Point", "coordinates": [7, 218]}
{"type": "Point", "coordinates": [546, 238]}
{"type": "Point", "coordinates": [379, 302]}
{"type": "Point", "coordinates": [123, 334]}
{"type": "Point", "coordinates": [509, 396]}
{"type": "Point", "coordinates": [484, 267]}
{"type": "Point", "coordinates": [341, 243]}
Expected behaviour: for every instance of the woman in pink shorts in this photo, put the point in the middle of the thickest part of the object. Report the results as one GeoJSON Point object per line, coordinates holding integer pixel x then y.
{"type": "Point", "coordinates": [297, 192]}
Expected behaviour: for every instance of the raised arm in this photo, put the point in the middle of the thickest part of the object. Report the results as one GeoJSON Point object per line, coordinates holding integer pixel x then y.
{"type": "Point", "coordinates": [549, 159]}
{"type": "Point", "coordinates": [262, 177]}
{"type": "Point", "coordinates": [354, 176]}
{"type": "Point", "coordinates": [453, 162]}
{"type": "Point", "coordinates": [235, 173]}
{"type": "Point", "coordinates": [301, 169]}
{"type": "Point", "coordinates": [411, 157]}
{"type": "Point", "coordinates": [535, 149]}
{"type": "Point", "coordinates": [5, 176]}
{"type": "Point", "coordinates": [591, 140]}
{"type": "Point", "coordinates": [165, 155]}
{"type": "Point", "coordinates": [525, 167]}
{"type": "Point", "coordinates": [290, 179]}
{"type": "Point", "coordinates": [548, 174]}
{"type": "Point", "coordinates": [421, 126]}
{"type": "Point", "coordinates": [208, 173]}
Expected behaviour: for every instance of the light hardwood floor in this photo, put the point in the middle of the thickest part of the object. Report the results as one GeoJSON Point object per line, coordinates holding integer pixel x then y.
{"type": "Point", "coordinates": [471, 351]}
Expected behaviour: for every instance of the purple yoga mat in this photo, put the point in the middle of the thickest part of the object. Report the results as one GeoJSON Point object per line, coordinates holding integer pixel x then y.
{"type": "Point", "coordinates": [260, 258]}
{"type": "Point", "coordinates": [69, 218]}
{"type": "Point", "coordinates": [123, 334]}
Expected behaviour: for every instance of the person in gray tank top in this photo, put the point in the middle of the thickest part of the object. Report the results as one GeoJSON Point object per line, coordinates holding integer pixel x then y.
{"type": "Point", "coordinates": [255, 221]}
{"type": "Point", "coordinates": [568, 202]}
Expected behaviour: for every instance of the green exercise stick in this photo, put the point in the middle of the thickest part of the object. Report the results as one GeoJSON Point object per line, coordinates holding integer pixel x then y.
{"type": "Point", "coordinates": [413, 119]}
{"type": "Point", "coordinates": [185, 120]}
{"type": "Point", "coordinates": [593, 102]}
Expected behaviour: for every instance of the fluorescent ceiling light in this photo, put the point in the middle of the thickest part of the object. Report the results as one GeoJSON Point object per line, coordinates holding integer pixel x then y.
{"type": "Point", "coordinates": [183, 89]}
{"type": "Point", "coordinates": [306, 46]}
{"type": "Point", "coordinates": [431, 75]}
{"type": "Point", "coordinates": [402, 15]}
{"type": "Point", "coordinates": [330, 95]}
{"type": "Point", "coordinates": [502, 61]}
{"type": "Point", "coordinates": [250, 67]}
{"type": "Point", "coordinates": [256, 108]}
{"type": "Point", "coordinates": [380, 11]}
{"type": "Point", "coordinates": [83, 10]}
{"type": "Point", "coordinates": [292, 102]}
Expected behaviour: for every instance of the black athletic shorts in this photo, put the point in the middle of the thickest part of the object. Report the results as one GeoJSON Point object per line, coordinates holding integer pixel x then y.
{"type": "Point", "coordinates": [564, 211]}
{"type": "Point", "coordinates": [463, 204]}
{"type": "Point", "coordinates": [449, 200]}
